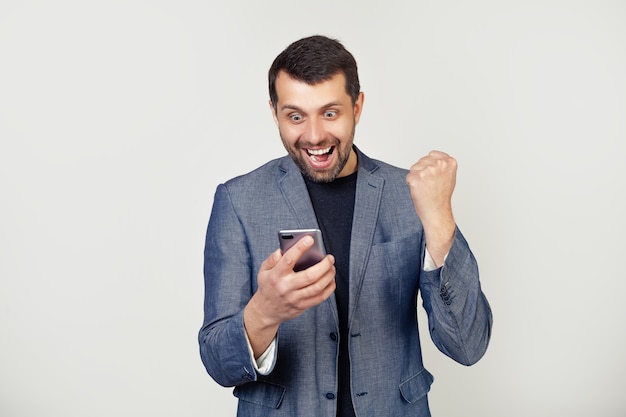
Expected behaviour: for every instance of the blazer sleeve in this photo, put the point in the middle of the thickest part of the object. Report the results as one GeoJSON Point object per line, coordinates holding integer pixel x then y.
{"type": "Point", "coordinates": [228, 287]}
{"type": "Point", "coordinates": [459, 315]}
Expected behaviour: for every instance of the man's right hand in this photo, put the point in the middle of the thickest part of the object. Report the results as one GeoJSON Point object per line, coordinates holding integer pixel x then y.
{"type": "Point", "coordinates": [284, 294]}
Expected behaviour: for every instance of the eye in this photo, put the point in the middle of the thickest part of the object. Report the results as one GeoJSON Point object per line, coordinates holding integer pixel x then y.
{"type": "Point", "coordinates": [295, 117]}
{"type": "Point", "coordinates": [330, 114]}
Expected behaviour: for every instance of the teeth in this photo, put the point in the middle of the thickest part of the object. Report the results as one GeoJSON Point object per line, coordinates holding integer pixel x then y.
{"type": "Point", "coordinates": [319, 151]}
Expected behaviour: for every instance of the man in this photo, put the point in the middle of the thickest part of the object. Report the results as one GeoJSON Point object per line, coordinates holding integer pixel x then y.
{"type": "Point", "coordinates": [339, 338]}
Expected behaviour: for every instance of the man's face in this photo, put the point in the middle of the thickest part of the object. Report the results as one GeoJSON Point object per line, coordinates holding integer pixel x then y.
{"type": "Point", "coordinates": [316, 124]}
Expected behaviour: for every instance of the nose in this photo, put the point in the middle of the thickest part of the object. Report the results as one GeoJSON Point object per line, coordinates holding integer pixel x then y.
{"type": "Point", "coordinates": [314, 131]}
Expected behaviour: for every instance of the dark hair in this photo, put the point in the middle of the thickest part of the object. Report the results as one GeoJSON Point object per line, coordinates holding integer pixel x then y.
{"type": "Point", "coordinates": [313, 60]}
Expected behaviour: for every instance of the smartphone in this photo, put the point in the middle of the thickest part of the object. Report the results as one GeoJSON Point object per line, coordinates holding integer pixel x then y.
{"type": "Point", "coordinates": [313, 255]}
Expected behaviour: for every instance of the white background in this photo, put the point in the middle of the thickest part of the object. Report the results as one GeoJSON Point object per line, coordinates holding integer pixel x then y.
{"type": "Point", "coordinates": [119, 118]}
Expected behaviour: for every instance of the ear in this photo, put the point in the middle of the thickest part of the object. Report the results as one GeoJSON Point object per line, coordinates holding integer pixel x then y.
{"type": "Point", "coordinates": [273, 110]}
{"type": "Point", "coordinates": [358, 107]}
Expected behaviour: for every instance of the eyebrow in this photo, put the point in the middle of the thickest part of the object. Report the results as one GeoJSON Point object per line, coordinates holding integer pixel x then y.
{"type": "Point", "coordinates": [294, 107]}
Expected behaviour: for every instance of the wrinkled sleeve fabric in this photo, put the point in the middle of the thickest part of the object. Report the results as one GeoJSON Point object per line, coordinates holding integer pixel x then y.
{"type": "Point", "coordinates": [228, 287]}
{"type": "Point", "coordinates": [459, 315]}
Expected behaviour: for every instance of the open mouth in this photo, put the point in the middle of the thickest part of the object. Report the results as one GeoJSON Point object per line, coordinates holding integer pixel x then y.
{"type": "Point", "coordinates": [320, 155]}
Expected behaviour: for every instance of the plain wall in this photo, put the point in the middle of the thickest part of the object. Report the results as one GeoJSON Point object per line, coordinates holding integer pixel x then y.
{"type": "Point", "coordinates": [119, 118]}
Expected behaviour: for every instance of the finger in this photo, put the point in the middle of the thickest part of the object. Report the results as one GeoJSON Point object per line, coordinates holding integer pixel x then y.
{"type": "Point", "coordinates": [271, 261]}
{"type": "Point", "coordinates": [423, 163]}
{"type": "Point", "coordinates": [438, 154]}
{"type": "Point", "coordinates": [322, 267]}
{"type": "Point", "coordinates": [291, 256]}
{"type": "Point", "coordinates": [318, 289]}
{"type": "Point", "coordinates": [313, 274]}
{"type": "Point", "coordinates": [319, 296]}
{"type": "Point", "coordinates": [434, 159]}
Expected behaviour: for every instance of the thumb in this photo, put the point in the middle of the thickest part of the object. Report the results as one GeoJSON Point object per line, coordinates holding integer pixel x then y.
{"type": "Point", "coordinates": [271, 260]}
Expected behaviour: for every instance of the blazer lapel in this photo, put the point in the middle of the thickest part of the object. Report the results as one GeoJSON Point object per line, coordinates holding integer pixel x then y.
{"type": "Point", "coordinates": [296, 195]}
{"type": "Point", "coordinates": [369, 191]}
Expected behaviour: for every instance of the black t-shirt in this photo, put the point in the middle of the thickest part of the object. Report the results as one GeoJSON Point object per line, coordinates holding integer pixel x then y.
{"type": "Point", "coordinates": [333, 203]}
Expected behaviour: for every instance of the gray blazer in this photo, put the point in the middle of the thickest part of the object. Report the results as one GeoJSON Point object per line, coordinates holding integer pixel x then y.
{"type": "Point", "coordinates": [387, 250]}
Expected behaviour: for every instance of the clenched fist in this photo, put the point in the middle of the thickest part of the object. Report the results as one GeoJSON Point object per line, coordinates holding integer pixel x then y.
{"type": "Point", "coordinates": [431, 181]}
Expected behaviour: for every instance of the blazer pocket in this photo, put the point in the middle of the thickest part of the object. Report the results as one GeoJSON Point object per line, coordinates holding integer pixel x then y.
{"type": "Point", "coordinates": [261, 393]}
{"type": "Point", "coordinates": [416, 386]}
{"type": "Point", "coordinates": [402, 251]}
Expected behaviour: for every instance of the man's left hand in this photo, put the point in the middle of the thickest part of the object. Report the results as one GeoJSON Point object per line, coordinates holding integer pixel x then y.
{"type": "Point", "coordinates": [431, 182]}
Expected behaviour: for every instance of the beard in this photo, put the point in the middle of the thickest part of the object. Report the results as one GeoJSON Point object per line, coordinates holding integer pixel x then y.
{"type": "Point", "coordinates": [341, 153]}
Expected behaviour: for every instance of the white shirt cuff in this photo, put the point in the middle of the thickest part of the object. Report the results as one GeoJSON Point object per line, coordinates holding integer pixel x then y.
{"type": "Point", "coordinates": [429, 263]}
{"type": "Point", "coordinates": [265, 364]}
